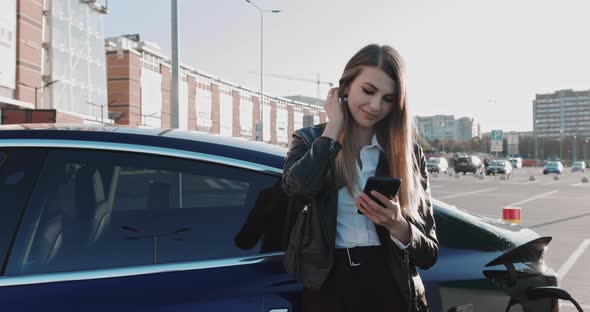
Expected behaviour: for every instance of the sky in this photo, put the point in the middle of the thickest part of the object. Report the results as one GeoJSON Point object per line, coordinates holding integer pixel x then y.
{"type": "Point", "coordinates": [480, 59]}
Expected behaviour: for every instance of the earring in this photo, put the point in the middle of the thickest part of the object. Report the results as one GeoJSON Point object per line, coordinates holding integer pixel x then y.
{"type": "Point", "coordinates": [345, 98]}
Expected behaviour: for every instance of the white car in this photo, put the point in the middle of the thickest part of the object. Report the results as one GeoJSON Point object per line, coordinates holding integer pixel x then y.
{"type": "Point", "coordinates": [579, 166]}
{"type": "Point", "coordinates": [516, 162]}
{"type": "Point", "coordinates": [437, 164]}
{"type": "Point", "coordinates": [500, 166]}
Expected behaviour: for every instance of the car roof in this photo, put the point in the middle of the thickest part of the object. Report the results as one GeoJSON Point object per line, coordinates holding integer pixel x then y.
{"type": "Point", "coordinates": [243, 149]}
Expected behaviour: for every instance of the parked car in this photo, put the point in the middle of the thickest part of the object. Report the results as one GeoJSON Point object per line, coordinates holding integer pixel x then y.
{"type": "Point", "coordinates": [499, 166]}
{"type": "Point", "coordinates": [469, 164]}
{"type": "Point", "coordinates": [113, 218]}
{"type": "Point", "coordinates": [516, 162]}
{"type": "Point", "coordinates": [578, 166]}
{"type": "Point", "coordinates": [553, 167]}
{"type": "Point", "coordinates": [437, 164]}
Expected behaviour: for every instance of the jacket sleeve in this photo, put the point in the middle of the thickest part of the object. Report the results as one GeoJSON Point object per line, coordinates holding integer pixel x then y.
{"type": "Point", "coordinates": [305, 167]}
{"type": "Point", "coordinates": [423, 249]}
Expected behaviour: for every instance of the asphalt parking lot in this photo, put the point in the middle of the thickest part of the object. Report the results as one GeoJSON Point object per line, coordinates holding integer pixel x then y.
{"type": "Point", "coordinates": [557, 208]}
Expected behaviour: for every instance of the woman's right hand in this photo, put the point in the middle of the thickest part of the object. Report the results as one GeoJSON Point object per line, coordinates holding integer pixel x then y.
{"type": "Point", "coordinates": [335, 114]}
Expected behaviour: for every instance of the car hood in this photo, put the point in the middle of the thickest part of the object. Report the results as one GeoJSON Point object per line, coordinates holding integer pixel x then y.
{"type": "Point", "coordinates": [459, 229]}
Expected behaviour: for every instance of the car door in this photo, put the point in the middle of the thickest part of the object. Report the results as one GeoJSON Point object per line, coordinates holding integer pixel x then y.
{"type": "Point", "coordinates": [114, 230]}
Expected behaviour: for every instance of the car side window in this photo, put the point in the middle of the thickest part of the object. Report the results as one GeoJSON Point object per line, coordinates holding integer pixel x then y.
{"type": "Point", "coordinates": [101, 209]}
{"type": "Point", "coordinates": [18, 170]}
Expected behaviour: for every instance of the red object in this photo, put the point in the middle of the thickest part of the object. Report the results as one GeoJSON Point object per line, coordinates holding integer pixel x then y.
{"type": "Point", "coordinates": [511, 214]}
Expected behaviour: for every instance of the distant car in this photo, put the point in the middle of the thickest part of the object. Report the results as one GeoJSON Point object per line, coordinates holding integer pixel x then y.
{"type": "Point", "coordinates": [500, 166]}
{"type": "Point", "coordinates": [104, 218]}
{"type": "Point", "coordinates": [437, 164]}
{"type": "Point", "coordinates": [579, 166]}
{"type": "Point", "coordinates": [553, 167]}
{"type": "Point", "coordinates": [516, 162]}
{"type": "Point", "coordinates": [469, 164]}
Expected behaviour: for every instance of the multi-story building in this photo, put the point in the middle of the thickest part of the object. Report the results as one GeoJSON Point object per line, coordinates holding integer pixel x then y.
{"type": "Point", "coordinates": [139, 79]}
{"type": "Point", "coordinates": [563, 113]}
{"type": "Point", "coordinates": [53, 58]}
{"type": "Point", "coordinates": [445, 127]}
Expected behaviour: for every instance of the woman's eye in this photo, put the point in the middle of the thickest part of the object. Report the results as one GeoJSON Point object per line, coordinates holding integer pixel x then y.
{"type": "Point", "coordinates": [388, 99]}
{"type": "Point", "coordinates": [368, 91]}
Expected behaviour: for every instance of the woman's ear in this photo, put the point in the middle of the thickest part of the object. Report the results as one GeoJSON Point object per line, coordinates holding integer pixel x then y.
{"type": "Point", "coordinates": [347, 89]}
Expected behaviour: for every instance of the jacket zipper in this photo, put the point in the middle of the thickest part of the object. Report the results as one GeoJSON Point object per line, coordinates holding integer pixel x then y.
{"type": "Point", "coordinates": [407, 264]}
{"type": "Point", "coordinates": [328, 239]}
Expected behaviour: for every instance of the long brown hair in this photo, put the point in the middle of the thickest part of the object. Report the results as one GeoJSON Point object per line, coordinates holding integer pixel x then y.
{"type": "Point", "coordinates": [395, 133]}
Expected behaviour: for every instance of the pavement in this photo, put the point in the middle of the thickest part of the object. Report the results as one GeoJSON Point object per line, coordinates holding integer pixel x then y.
{"type": "Point", "coordinates": [557, 208]}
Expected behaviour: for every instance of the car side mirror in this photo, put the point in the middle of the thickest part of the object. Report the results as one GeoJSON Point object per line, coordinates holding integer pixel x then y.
{"type": "Point", "coordinates": [551, 292]}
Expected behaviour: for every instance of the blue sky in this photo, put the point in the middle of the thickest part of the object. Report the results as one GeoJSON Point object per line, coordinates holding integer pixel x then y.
{"type": "Point", "coordinates": [481, 59]}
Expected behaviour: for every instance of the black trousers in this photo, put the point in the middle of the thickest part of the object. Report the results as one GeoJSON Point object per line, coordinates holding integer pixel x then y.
{"type": "Point", "coordinates": [361, 282]}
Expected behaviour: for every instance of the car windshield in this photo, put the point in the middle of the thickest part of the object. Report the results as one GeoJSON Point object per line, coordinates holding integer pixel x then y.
{"type": "Point", "coordinates": [434, 160]}
{"type": "Point", "coordinates": [498, 163]}
{"type": "Point", "coordinates": [578, 164]}
{"type": "Point", "coordinates": [552, 164]}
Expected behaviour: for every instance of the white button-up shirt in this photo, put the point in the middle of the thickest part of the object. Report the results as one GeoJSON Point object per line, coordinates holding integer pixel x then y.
{"type": "Point", "coordinates": [354, 229]}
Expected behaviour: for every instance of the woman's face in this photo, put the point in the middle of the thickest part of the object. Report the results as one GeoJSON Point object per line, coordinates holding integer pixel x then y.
{"type": "Point", "coordinates": [371, 96]}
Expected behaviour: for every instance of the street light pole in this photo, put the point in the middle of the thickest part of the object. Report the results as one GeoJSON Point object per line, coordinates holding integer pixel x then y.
{"type": "Point", "coordinates": [154, 238]}
{"type": "Point", "coordinates": [561, 144]}
{"type": "Point", "coordinates": [174, 109]}
{"type": "Point", "coordinates": [144, 122]}
{"type": "Point", "coordinates": [535, 133]}
{"type": "Point", "coordinates": [574, 156]}
{"type": "Point", "coordinates": [442, 124]}
{"type": "Point", "coordinates": [39, 87]}
{"type": "Point", "coordinates": [261, 99]}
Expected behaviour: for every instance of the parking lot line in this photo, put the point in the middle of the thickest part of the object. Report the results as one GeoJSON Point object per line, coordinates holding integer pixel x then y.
{"type": "Point", "coordinates": [531, 199]}
{"type": "Point", "coordinates": [572, 306]}
{"type": "Point", "coordinates": [468, 193]}
{"type": "Point", "coordinates": [569, 263]}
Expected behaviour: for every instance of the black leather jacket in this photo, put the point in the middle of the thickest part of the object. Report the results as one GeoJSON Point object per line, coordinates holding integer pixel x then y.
{"type": "Point", "coordinates": [307, 177]}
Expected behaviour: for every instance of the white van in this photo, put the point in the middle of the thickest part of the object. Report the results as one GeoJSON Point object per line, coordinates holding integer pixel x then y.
{"type": "Point", "coordinates": [516, 162]}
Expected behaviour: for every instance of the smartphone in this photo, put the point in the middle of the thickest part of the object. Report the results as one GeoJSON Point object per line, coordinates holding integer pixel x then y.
{"type": "Point", "coordinates": [387, 186]}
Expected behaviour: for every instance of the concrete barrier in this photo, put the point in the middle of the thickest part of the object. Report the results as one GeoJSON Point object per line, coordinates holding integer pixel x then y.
{"type": "Point", "coordinates": [555, 177]}
{"type": "Point", "coordinates": [584, 179]}
{"type": "Point", "coordinates": [511, 214]}
{"type": "Point", "coordinates": [532, 178]}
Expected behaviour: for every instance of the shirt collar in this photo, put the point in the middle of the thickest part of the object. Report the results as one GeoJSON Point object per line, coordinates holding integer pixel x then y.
{"type": "Point", "coordinates": [374, 143]}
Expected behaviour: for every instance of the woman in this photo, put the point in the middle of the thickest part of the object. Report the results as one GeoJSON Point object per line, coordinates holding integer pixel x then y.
{"type": "Point", "coordinates": [349, 261]}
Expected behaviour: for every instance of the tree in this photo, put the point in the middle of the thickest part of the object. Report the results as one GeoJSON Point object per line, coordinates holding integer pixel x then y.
{"type": "Point", "coordinates": [424, 143]}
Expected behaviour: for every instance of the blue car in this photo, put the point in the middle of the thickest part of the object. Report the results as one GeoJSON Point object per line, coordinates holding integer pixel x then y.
{"type": "Point", "coordinates": [553, 167]}
{"type": "Point", "coordinates": [121, 219]}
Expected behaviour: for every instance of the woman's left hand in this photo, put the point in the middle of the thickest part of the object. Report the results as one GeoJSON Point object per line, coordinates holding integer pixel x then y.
{"type": "Point", "coordinates": [389, 216]}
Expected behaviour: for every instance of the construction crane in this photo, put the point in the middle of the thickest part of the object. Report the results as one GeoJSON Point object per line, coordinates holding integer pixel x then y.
{"type": "Point", "coordinates": [317, 81]}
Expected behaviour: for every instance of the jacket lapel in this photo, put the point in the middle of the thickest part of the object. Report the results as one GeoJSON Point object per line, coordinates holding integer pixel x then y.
{"type": "Point", "coordinates": [382, 169]}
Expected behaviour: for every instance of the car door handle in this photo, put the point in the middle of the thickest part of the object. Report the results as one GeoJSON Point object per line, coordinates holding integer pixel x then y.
{"type": "Point", "coordinates": [279, 310]}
